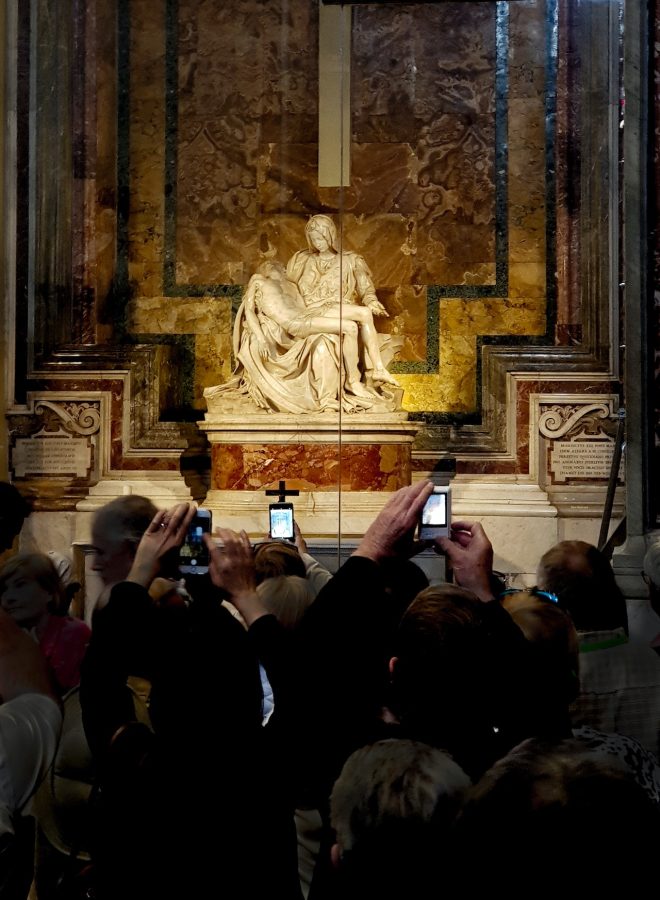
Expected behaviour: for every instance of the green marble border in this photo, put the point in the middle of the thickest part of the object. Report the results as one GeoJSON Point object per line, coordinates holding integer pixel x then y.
{"type": "Point", "coordinates": [122, 286]}
{"type": "Point", "coordinates": [436, 292]}
{"type": "Point", "coordinates": [431, 364]}
{"type": "Point", "coordinates": [519, 340]}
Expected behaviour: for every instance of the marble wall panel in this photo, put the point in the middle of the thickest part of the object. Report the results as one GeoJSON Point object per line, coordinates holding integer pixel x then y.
{"type": "Point", "coordinates": [146, 145]}
{"type": "Point", "coordinates": [218, 166]}
{"type": "Point", "coordinates": [407, 306]}
{"type": "Point", "coordinates": [655, 325]}
{"type": "Point", "coordinates": [427, 74]}
{"type": "Point", "coordinates": [209, 319]}
{"type": "Point", "coordinates": [105, 201]}
{"type": "Point", "coordinates": [520, 466]}
{"type": "Point", "coordinates": [310, 467]}
{"type": "Point", "coordinates": [383, 179]}
{"type": "Point", "coordinates": [118, 455]}
{"type": "Point", "coordinates": [421, 205]}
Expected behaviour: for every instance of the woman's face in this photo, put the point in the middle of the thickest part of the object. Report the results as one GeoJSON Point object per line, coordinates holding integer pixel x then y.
{"type": "Point", "coordinates": [319, 241]}
{"type": "Point", "coordinates": [24, 599]}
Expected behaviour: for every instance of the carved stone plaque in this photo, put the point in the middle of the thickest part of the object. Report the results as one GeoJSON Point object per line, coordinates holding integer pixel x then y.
{"type": "Point", "coordinates": [581, 459]}
{"type": "Point", "coordinates": [51, 456]}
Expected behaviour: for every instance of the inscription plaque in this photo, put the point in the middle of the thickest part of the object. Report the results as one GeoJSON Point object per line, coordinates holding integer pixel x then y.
{"type": "Point", "coordinates": [51, 456]}
{"type": "Point", "coordinates": [581, 459]}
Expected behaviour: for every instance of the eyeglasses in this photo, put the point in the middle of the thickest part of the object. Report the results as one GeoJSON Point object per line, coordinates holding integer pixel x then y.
{"type": "Point", "coordinates": [533, 591]}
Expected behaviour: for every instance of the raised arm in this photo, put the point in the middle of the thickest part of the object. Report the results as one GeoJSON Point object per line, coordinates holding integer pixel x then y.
{"type": "Point", "coordinates": [470, 553]}
{"type": "Point", "coordinates": [122, 642]}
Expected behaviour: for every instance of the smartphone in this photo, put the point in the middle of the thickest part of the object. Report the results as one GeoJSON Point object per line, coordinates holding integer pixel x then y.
{"type": "Point", "coordinates": [281, 521]}
{"type": "Point", "coordinates": [434, 519]}
{"type": "Point", "coordinates": [193, 554]}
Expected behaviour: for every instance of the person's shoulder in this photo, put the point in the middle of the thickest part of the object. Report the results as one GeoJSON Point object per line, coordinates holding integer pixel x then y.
{"type": "Point", "coordinates": [75, 627]}
{"type": "Point", "coordinates": [31, 707]}
{"type": "Point", "coordinates": [65, 626]}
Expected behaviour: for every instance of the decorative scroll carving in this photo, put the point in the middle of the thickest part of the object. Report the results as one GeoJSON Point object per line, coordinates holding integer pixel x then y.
{"type": "Point", "coordinates": [573, 421]}
{"type": "Point", "coordinates": [80, 418]}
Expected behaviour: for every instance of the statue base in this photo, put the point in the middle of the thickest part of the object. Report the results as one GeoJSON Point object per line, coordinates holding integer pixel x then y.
{"type": "Point", "coordinates": [345, 468]}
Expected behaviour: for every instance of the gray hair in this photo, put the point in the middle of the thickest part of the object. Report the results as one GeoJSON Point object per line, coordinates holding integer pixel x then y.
{"type": "Point", "coordinates": [125, 519]}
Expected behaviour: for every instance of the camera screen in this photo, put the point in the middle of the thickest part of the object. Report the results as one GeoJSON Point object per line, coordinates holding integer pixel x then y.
{"type": "Point", "coordinates": [435, 510]}
{"type": "Point", "coordinates": [281, 523]}
{"type": "Point", "coordinates": [193, 551]}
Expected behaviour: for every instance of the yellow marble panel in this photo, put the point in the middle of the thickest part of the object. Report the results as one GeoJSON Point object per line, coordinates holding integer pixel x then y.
{"type": "Point", "coordinates": [180, 315]}
{"type": "Point", "coordinates": [527, 279]}
{"type": "Point", "coordinates": [461, 321]}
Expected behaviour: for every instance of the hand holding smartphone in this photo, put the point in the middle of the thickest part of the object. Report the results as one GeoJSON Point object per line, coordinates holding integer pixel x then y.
{"type": "Point", "coordinates": [281, 521]}
{"type": "Point", "coordinates": [434, 521]}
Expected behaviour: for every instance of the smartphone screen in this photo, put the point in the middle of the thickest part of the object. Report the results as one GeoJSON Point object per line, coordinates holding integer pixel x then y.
{"type": "Point", "coordinates": [434, 520]}
{"type": "Point", "coordinates": [193, 555]}
{"type": "Point", "coordinates": [281, 521]}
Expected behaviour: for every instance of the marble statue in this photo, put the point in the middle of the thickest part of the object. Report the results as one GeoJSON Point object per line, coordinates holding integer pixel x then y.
{"type": "Point", "coordinates": [295, 327]}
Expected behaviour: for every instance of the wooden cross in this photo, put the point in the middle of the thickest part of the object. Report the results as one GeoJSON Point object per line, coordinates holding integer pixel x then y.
{"type": "Point", "coordinates": [282, 493]}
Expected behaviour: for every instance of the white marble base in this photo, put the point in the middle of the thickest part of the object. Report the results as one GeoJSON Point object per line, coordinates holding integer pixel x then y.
{"type": "Point", "coordinates": [274, 428]}
{"type": "Point", "coordinates": [164, 490]}
{"type": "Point", "coordinates": [316, 512]}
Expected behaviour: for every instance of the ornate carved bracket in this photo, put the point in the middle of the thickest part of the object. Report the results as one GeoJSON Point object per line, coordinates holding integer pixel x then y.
{"type": "Point", "coordinates": [80, 418]}
{"type": "Point", "coordinates": [559, 421]}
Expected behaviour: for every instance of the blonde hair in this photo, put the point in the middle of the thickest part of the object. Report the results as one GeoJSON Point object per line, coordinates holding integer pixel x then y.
{"type": "Point", "coordinates": [273, 558]}
{"type": "Point", "coordinates": [36, 567]}
{"type": "Point", "coordinates": [286, 597]}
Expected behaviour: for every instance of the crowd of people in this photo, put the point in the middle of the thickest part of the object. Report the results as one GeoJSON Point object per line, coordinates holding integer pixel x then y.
{"type": "Point", "coordinates": [270, 729]}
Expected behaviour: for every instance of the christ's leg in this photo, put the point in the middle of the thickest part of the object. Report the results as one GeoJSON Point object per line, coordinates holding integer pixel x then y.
{"type": "Point", "coordinates": [364, 317]}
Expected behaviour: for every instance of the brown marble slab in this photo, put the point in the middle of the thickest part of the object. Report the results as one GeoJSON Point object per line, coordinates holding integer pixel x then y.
{"type": "Point", "coordinates": [310, 467]}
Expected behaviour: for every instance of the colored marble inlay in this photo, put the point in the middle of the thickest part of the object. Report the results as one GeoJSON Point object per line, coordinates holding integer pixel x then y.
{"type": "Point", "coordinates": [449, 194]}
{"type": "Point", "coordinates": [310, 467]}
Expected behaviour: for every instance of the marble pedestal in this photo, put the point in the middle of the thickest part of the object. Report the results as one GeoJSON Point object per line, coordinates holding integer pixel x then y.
{"type": "Point", "coordinates": [344, 467]}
